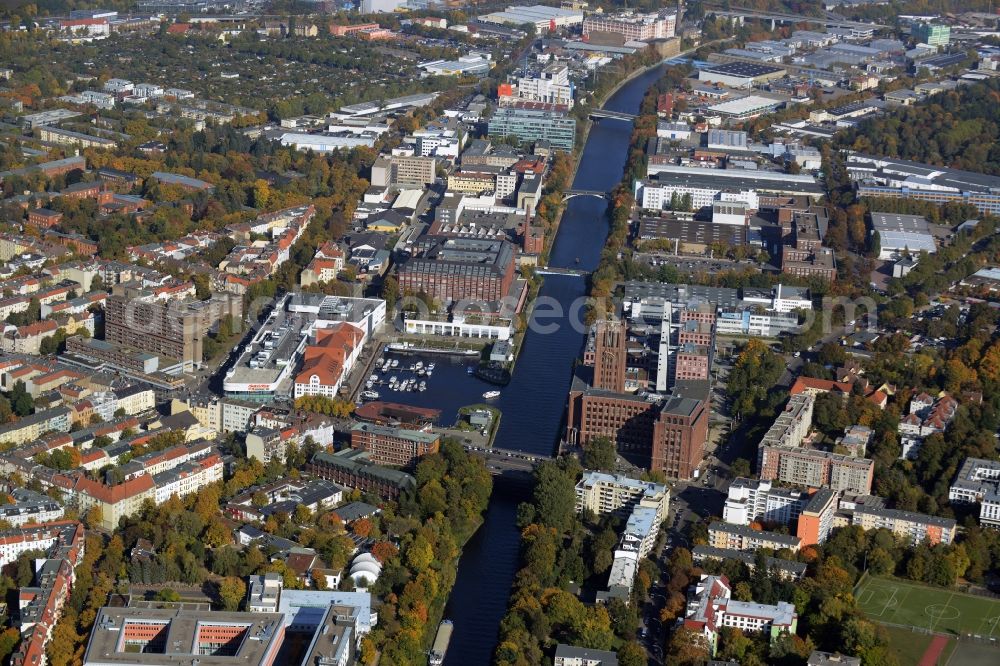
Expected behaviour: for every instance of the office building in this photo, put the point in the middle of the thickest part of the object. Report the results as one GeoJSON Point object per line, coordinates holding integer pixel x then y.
{"type": "Point", "coordinates": [355, 469]}
{"type": "Point", "coordinates": [632, 27]}
{"type": "Point", "coordinates": [680, 433]}
{"type": "Point", "coordinates": [456, 269]}
{"type": "Point", "coordinates": [931, 34]}
{"type": "Point", "coordinates": [895, 178]}
{"type": "Point", "coordinates": [710, 607]}
{"type": "Point", "coordinates": [551, 86]}
{"type": "Point", "coordinates": [398, 447]}
{"type": "Point", "coordinates": [706, 186]}
{"type": "Point", "coordinates": [530, 125]}
{"type": "Point", "coordinates": [915, 527]}
{"type": "Point", "coordinates": [161, 636]}
{"type": "Point", "coordinates": [412, 170]}
{"type": "Point", "coordinates": [978, 480]}
{"type": "Point", "coordinates": [609, 356]}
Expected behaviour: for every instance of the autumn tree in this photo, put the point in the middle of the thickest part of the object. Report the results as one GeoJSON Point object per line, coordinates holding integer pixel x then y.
{"type": "Point", "coordinates": [232, 590]}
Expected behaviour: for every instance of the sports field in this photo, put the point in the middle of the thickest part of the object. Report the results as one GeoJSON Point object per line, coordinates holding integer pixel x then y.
{"type": "Point", "coordinates": [934, 609]}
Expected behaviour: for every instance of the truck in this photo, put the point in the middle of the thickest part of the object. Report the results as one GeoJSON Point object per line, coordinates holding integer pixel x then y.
{"type": "Point", "coordinates": [441, 641]}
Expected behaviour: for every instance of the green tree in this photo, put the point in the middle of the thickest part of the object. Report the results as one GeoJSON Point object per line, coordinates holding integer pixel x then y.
{"type": "Point", "coordinates": [20, 400]}
{"type": "Point", "coordinates": [599, 454]}
{"type": "Point", "coordinates": [740, 467]}
{"type": "Point", "coordinates": [390, 292]}
{"type": "Point", "coordinates": [555, 496]}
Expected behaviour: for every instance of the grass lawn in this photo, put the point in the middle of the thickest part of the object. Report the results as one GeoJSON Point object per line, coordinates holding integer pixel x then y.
{"type": "Point", "coordinates": [935, 609]}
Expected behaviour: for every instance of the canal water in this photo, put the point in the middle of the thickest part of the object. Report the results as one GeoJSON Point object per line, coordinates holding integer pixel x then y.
{"type": "Point", "coordinates": [533, 404]}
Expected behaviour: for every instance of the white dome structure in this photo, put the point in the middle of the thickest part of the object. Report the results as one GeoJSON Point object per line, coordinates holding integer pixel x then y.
{"type": "Point", "coordinates": [365, 570]}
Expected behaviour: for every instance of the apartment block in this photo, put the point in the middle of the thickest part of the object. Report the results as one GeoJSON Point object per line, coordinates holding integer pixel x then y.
{"type": "Point", "coordinates": [742, 537]}
{"type": "Point", "coordinates": [174, 329]}
{"type": "Point", "coordinates": [792, 425]}
{"type": "Point", "coordinates": [750, 500]}
{"type": "Point", "coordinates": [918, 527]}
{"type": "Point", "coordinates": [816, 518]}
{"type": "Point", "coordinates": [787, 569]}
{"type": "Point", "coordinates": [571, 655]}
{"type": "Point", "coordinates": [617, 494]}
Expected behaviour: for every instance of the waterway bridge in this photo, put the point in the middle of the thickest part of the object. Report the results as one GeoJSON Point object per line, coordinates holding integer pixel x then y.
{"type": "Point", "coordinates": [561, 271]}
{"type": "Point", "coordinates": [600, 194]}
{"type": "Point", "coordinates": [504, 462]}
{"type": "Point", "coordinates": [597, 114]}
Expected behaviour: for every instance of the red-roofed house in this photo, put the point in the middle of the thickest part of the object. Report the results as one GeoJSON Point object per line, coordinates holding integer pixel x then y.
{"type": "Point", "coordinates": [113, 502]}
{"type": "Point", "coordinates": [813, 386]}
{"type": "Point", "coordinates": [27, 339]}
{"type": "Point", "coordinates": [328, 361]}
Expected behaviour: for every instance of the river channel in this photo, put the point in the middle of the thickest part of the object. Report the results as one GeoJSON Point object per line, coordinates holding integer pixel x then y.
{"type": "Point", "coordinates": [533, 404]}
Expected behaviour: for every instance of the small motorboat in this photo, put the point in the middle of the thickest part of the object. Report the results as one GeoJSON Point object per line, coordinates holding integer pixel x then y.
{"type": "Point", "coordinates": [490, 395]}
{"type": "Point", "coordinates": [369, 395]}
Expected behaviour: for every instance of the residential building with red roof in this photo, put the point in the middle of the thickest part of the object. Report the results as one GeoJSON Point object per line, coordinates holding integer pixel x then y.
{"type": "Point", "coordinates": [328, 360]}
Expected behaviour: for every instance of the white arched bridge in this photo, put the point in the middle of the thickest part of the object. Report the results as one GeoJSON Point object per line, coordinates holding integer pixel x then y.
{"type": "Point", "coordinates": [600, 194]}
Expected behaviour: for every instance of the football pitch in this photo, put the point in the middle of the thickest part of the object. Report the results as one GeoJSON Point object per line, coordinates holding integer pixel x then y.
{"type": "Point", "coordinates": [933, 609]}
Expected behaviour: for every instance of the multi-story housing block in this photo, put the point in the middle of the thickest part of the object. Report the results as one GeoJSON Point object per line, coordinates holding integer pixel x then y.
{"type": "Point", "coordinates": [917, 527]}
{"type": "Point", "coordinates": [604, 493]}
{"type": "Point", "coordinates": [742, 537]}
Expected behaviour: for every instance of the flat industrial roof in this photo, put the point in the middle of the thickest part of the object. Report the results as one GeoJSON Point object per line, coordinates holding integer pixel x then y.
{"type": "Point", "coordinates": [735, 179]}
{"type": "Point", "coordinates": [181, 644]}
{"type": "Point", "coordinates": [746, 104]}
{"type": "Point", "coordinates": [747, 69]}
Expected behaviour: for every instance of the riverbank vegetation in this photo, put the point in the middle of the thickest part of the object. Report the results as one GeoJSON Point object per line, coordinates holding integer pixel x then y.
{"type": "Point", "coordinates": [561, 553]}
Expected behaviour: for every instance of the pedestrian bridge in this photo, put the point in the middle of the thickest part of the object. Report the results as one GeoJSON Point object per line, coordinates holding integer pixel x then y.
{"type": "Point", "coordinates": [597, 114]}
{"type": "Point", "coordinates": [600, 194]}
{"type": "Point", "coordinates": [561, 271]}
